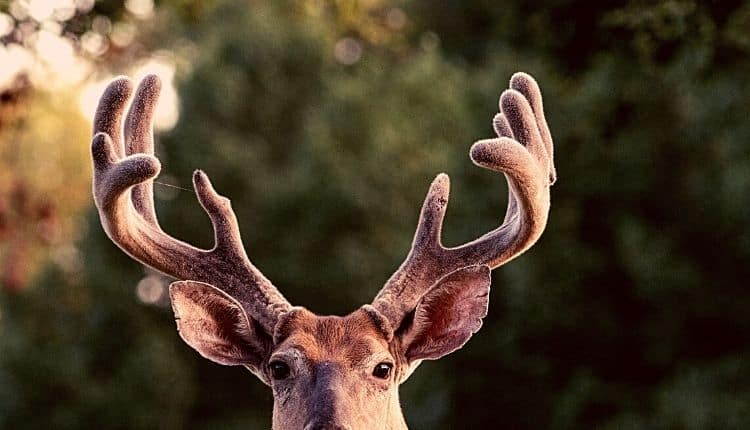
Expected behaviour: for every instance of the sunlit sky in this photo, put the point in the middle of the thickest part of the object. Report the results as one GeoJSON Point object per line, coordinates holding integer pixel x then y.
{"type": "Point", "coordinates": [53, 61]}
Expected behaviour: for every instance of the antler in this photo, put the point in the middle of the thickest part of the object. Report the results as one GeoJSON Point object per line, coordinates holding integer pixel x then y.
{"type": "Point", "coordinates": [124, 169]}
{"type": "Point", "coordinates": [523, 152]}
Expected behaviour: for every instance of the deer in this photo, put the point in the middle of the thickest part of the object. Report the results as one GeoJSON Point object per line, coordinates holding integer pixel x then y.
{"type": "Point", "coordinates": [325, 372]}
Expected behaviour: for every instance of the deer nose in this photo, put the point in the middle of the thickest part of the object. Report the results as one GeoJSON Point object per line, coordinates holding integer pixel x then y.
{"type": "Point", "coordinates": [326, 426]}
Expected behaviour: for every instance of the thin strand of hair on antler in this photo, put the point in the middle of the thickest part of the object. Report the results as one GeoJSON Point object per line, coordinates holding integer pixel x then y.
{"type": "Point", "coordinates": [124, 172]}
{"type": "Point", "coordinates": [164, 184]}
{"type": "Point", "coordinates": [523, 153]}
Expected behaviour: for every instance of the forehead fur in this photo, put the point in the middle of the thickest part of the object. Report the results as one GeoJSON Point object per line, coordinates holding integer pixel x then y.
{"type": "Point", "coordinates": [353, 338]}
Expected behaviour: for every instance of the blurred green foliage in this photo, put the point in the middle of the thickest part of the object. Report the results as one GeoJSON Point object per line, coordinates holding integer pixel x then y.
{"type": "Point", "coordinates": [630, 312]}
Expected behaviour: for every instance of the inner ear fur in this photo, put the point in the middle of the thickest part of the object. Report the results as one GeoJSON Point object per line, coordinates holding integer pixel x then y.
{"type": "Point", "coordinates": [217, 326]}
{"type": "Point", "coordinates": [447, 315]}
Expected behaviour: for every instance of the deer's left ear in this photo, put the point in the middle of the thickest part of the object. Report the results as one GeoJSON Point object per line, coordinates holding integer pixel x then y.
{"type": "Point", "coordinates": [216, 325]}
{"type": "Point", "coordinates": [448, 314]}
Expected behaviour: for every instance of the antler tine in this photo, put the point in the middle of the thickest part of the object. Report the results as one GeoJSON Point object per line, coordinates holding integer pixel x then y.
{"type": "Point", "coordinates": [529, 88]}
{"type": "Point", "coordinates": [523, 153]}
{"type": "Point", "coordinates": [123, 191]}
{"type": "Point", "coordinates": [139, 139]}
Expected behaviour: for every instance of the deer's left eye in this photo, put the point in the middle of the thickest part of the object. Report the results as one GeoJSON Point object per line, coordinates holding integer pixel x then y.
{"type": "Point", "coordinates": [382, 370]}
{"type": "Point", "coordinates": [279, 369]}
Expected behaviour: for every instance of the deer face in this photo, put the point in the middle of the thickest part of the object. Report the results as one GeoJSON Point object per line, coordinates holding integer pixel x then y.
{"type": "Point", "coordinates": [334, 372]}
{"type": "Point", "coordinates": [329, 372]}
{"type": "Point", "coordinates": [326, 372]}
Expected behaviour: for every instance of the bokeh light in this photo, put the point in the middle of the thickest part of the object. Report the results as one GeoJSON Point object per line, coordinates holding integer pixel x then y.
{"type": "Point", "coordinates": [143, 9]}
{"type": "Point", "coordinates": [6, 24]}
{"type": "Point", "coordinates": [151, 290]}
{"type": "Point", "coordinates": [348, 51]}
{"type": "Point", "coordinates": [15, 61]}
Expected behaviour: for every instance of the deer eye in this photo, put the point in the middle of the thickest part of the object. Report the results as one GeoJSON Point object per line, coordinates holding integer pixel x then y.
{"type": "Point", "coordinates": [382, 370]}
{"type": "Point", "coordinates": [279, 369]}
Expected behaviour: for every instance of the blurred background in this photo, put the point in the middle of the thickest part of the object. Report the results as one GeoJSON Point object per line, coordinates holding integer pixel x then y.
{"type": "Point", "coordinates": [325, 121]}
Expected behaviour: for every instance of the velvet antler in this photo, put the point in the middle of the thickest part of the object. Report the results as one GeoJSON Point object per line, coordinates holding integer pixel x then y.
{"type": "Point", "coordinates": [523, 152]}
{"type": "Point", "coordinates": [124, 168]}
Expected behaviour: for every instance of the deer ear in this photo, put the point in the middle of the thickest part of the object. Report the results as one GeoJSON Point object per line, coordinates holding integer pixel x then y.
{"type": "Point", "coordinates": [216, 325]}
{"type": "Point", "coordinates": [448, 314]}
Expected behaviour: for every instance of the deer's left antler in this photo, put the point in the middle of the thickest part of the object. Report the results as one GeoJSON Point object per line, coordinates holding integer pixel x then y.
{"type": "Point", "coordinates": [523, 152]}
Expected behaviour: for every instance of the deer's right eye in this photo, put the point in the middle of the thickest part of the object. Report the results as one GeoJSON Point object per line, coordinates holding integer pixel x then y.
{"type": "Point", "coordinates": [382, 370]}
{"type": "Point", "coordinates": [279, 369]}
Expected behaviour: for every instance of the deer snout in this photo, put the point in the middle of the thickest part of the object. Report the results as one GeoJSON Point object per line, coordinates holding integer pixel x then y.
{"type": "Point", "coordinates": [326, 400]}
{"type": "Point", "coordinates": [326, 426]}
{"type": "Point", "coordinates": [327, 408]}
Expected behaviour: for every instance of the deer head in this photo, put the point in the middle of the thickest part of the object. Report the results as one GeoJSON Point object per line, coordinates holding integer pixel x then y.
{"type": "Point", "coordinates": [326, 372]}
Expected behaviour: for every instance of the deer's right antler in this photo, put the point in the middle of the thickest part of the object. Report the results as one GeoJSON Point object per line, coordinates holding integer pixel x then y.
{"type": "Point", "coordinates": [523, 152]}
{"type": "Point", "coordinates": [124, 168]}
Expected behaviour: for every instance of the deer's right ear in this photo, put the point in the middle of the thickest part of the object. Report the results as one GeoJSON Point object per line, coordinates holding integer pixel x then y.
{"type": "Point", "coordinates": [216, 325]}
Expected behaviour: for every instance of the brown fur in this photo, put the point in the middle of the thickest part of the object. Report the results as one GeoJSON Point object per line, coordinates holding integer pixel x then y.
{"type": "Point", "coordinates": [332, 360]}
